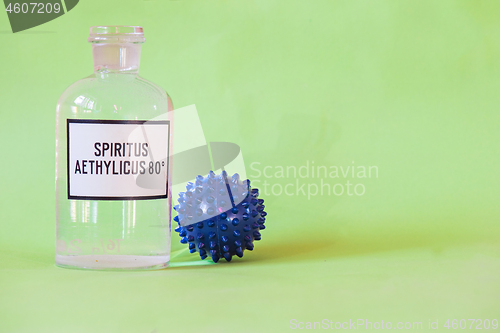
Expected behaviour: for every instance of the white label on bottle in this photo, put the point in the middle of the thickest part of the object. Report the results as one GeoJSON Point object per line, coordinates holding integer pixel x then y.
{"type": "Point", "coordinates": [117, 159]}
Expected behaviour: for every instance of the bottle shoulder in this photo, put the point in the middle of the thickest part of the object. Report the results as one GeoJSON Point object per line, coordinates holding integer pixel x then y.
{"type": "Point", "coordinates": [119, 86]}
{"type": "Point", "coordinates": [115, 96]}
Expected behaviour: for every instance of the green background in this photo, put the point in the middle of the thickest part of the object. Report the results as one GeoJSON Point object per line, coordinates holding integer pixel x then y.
{"type": "Point", "coordinates": [409, 86]}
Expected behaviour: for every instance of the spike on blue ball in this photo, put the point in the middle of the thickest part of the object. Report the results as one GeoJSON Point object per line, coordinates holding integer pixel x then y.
{"type": "Point", "coordinates": [233, 215]}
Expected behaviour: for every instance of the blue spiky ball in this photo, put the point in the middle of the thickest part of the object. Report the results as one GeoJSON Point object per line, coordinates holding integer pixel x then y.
{"type": "Point", "coordinates": [219, 216]}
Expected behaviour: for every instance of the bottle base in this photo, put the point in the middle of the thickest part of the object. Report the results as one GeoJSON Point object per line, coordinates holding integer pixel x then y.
{"type": "Point", "coordinates": [113, 262]}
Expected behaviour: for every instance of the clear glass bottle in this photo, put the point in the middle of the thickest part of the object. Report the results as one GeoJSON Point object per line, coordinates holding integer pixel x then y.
{"type": "Point", "coordinates": [113, 132]}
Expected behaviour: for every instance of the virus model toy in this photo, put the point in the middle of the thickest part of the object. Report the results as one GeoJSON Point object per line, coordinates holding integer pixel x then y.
{"type": "Point", "coordinates": [219, 216]}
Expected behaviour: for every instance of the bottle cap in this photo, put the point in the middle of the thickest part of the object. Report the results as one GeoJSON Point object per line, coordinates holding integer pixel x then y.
{"type": "Point", "coordinates": [116, 33]}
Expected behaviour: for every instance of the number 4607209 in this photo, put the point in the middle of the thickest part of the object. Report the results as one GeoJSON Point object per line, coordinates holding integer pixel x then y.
{"type": "Point", "coordinates": [34, 8]}
{"type": "Point", "coordinates": [478, 324]}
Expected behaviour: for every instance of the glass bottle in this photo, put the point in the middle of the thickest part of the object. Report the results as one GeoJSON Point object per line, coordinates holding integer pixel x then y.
{"type": "Point", "coordinates": [113, 132]}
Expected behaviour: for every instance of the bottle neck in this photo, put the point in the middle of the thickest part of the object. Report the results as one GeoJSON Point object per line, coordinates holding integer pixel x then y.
{"type": "Point", "coordinates": [116, 58]}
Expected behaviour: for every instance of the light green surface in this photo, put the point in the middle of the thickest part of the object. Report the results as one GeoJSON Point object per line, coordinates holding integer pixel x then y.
{"type": "Point", "coordinates": [408, 86]}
